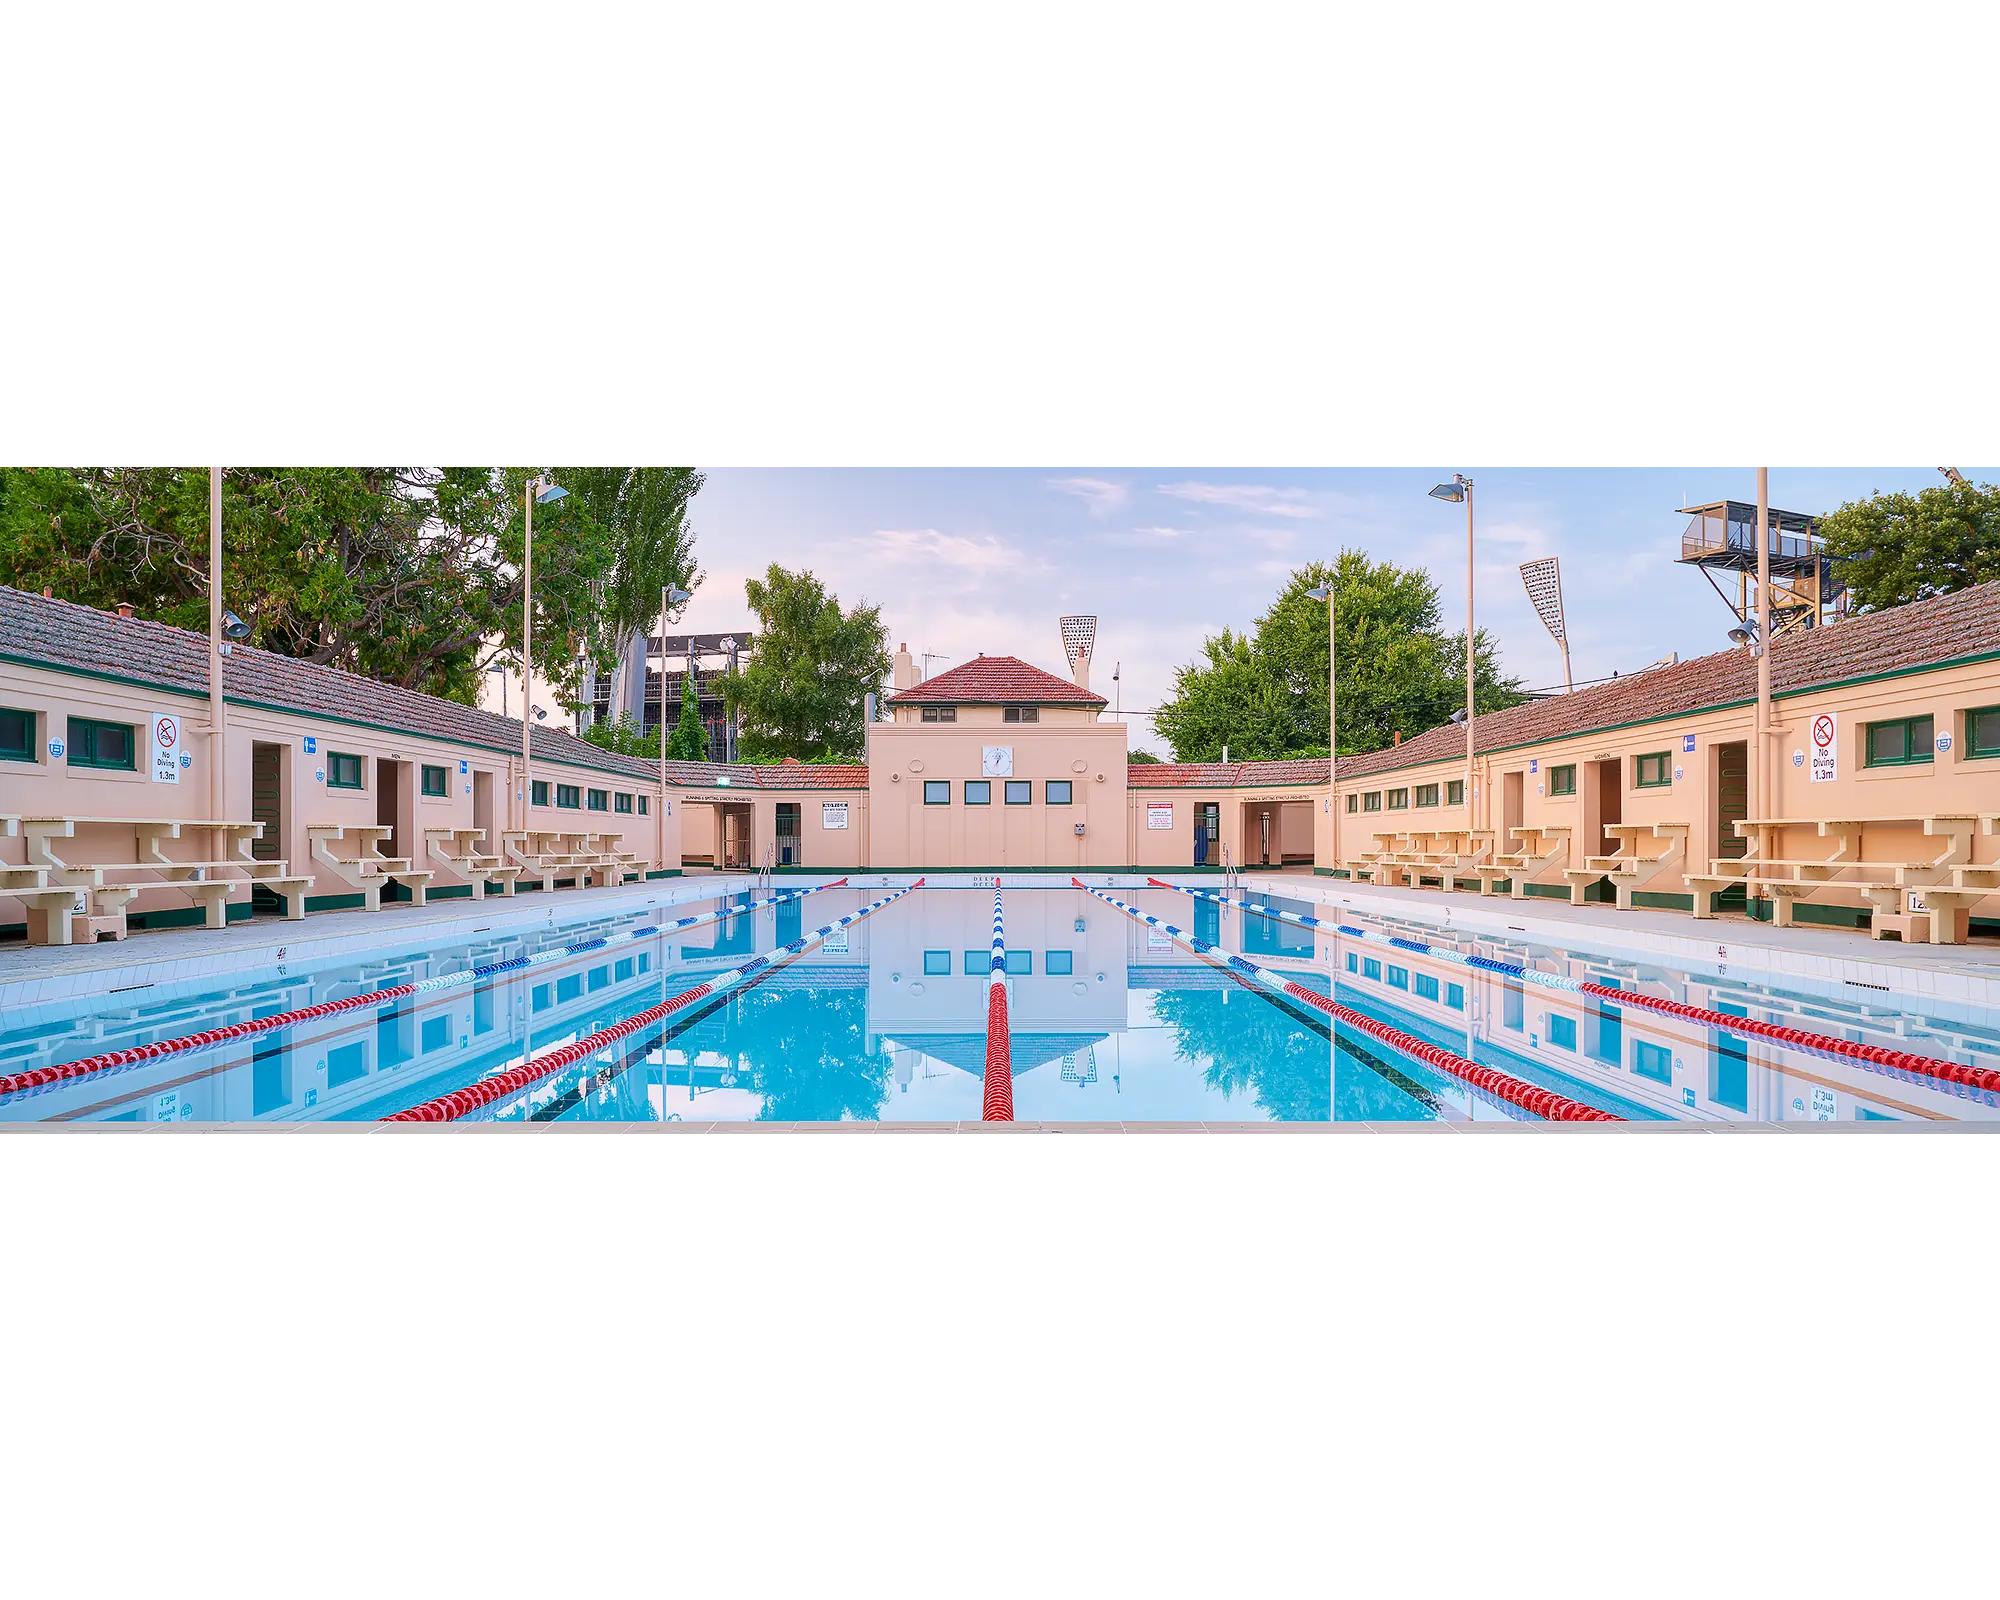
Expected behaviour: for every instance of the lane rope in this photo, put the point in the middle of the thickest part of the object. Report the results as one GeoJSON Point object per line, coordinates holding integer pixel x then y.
{"type": "Point", "coordinates": [112, 1060]}
{"type": "Point", "coordinates": [450, 1107]}
{"type": "Point", "coordinates": [1950, 1072]}
{"type": "Point", "coordinates": [997, 1102]}
{"type": "Point", "coordinates": [1542, 1102]}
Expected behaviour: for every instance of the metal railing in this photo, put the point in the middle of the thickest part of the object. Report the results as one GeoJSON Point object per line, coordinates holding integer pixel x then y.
{"type": "Point", "coordinates": [768, 869]}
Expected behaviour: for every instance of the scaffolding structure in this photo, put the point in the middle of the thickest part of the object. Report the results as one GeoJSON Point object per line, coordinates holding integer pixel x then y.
{"type": "Point", "coordinates": [666, 664]}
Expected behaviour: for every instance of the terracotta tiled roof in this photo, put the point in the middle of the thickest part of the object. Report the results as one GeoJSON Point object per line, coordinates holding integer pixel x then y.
{"type": "Point", "coordinates": [1224, 774]}
{"type": "Point", "coordinates": [997, 680]}
{"type": "Point", "coordinates": [1927, 633]}
{"type": "Point", "coordinates": [58, 634]}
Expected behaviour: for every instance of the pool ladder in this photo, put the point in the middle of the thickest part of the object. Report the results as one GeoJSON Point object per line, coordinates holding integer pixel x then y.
{"type": "Point", "coordinates": [1231, 876]}
{"type": "Point", "coordinates": [767, 871]}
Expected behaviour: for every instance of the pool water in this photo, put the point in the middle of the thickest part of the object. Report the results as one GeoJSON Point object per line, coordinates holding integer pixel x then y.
{"type": "Point", "coordinates": [1110, 1021]}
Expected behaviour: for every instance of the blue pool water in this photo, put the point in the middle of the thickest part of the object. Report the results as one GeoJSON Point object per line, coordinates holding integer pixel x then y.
{"type": "Point", "coordinates": [1110, 1022]}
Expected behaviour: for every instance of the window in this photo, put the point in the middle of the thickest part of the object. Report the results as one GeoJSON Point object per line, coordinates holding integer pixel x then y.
{"type": "Point", "coordinates": [937, 963]}
{"type": "Point", "coordinates": [1562, 1031]}
{"type": "Point", "coordinates": [623, 804]}
{"type": "Point", "coordinates": [643, 807]}
{"type": "Point", "coordinates": [1021, 714]}
{"type": "Point", "coordinates": [1056, 791]}
{"type": "Point", "coordinates": [1655, 771]}
{"type": "Point", "coordinates": [937, 791]}
{"type": "Point", "coordinates": [435, 1035]}
{"type": "Point", "coordinates": [978, 792]}
{"type": "Point", "coordinates": [1353, 804]}
{"type": "Point", "coordinates": [17, 735]}
{"type": "Point", "coordinates": [100, 744]}
{"type": "Point", "coordinates": [1020, 963]}
{"type": "Point", "coordinates": [1906, 743]}
{"type": "Point", "coordinates": [1427, 794]}
{"type": "Point", "coordinates": [599, 799]}
{"type": "Point", "coordinates": [939, 713]}
{"type": "Point", "coordinates": [1399, 799]}
{"type": "Point", "coordinates": [1562, 780]}
{"type": "Point", "coordinates": [434, 781]}
{"type": "Point", "coordinates": [1372, 801]}
{"type": "Point", "coordinates": [623, 971]}
{"type": "Point", "coordinates": [1653, 1061]}
{"type": "Point", "coordinates": [978, 963]}
{"type": "Point", "coordinates": [540, 796]}
{"type": "Point", "coordinates": [1353, 962]}
{"type": "Point", "coordinates": [1454, 792]}
{"type": "Point", "coordinates": [1426, 986]}
{"type": "Point", "coordinates": [1982, 732]}
{"type": "Point", "coordinates": [1371, 968]}
{"type": "Point", "coordinates": [568, 797]}
{"type": "Point", "coordinates": [343, 771]}
{"type": "Point", "coordinates": [1399, 977]}
{"type": "Point", "coordinates": [1454, 996]}
{"type": "Point", "coordinates": [1058, 963]}
{"type": "Point", "coordinates": [1020, 792]}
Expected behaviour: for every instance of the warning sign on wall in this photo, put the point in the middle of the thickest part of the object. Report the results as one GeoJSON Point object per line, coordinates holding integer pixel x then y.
{"type": "Point", "coordinates": [1159, 817]}
{"type": "Point", "coordinates": [833, 815]}
{"type": "Point", "coordinates": [1825, 749]}
{"type": "Point", "coordinates": [166, 749]}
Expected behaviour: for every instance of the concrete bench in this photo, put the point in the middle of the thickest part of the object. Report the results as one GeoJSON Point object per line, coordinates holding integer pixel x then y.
{"type": "Point", "coordinates": [361, 864]}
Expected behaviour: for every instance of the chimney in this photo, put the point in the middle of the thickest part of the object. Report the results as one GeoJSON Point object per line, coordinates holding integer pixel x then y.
{"type": "Point", "coordinates": [1081, 671]}
{"type": "Point", "coordinates": [124, 608]}
{"type": "Point", "coordinates": [48, 593]}
{"type": "Point", "coordinates": [904, 670]}
{"type": "Point", "coordinates": [1399, 737]}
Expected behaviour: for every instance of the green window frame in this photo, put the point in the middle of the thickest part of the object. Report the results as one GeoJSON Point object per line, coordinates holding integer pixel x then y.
{"type": "Point", "coordinates": [1901, 742]}
{"type": "Point", "coordinates": [1056, 792]}
{"type": "Point", "coordinates": [109, 746]}
{"type": "Point", "coordinates": [1353, 804]}
{"type": "Point", "coordinates": [436, 782]}
{"type": "Point", "coordinates": [642, 806]}
{"type": "Point", "coordinates": [343, 770]}
{"type": "Point", "coordinates": [1019, 792]}
{"type": "Point", "coordinates": [1427, 794]}
{"type": "Point", "coordinates": [937, 791]}
{"type": "Point", "coordinates": [1399, 799]}
{"type": "Point", "coordinates": [622, 804]}
{"type": "Point", "coordinates": [17, 734]}
{"type": "Point", "coordinates": [1425, 985]}
{"type": "Point", "coordinates": [1454, 792]}
{"type": "Point", "coordinates": [538, 793]}
{"type": "Point", "coordinates": [598, 799]}
{"type": "Point", "coordinates": [978, 792]}
{"type": "Point", "coordinates": [1372, 801]}
{"type": "Point", "coordinates": [1562, 780]}
{"type": "Point", "coordinates": [1653, 771]}
{"type": "Point", "coordinates": [569, 797]}
{"type": "Point", "coordinates": [1982, 733]}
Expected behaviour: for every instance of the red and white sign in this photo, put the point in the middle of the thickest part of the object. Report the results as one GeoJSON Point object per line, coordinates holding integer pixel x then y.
{"type": "Point", "coordinates": [1825, 749]}
{"type": "Point", "coordinates": [1159, 818]}
{"type": "Point", "coordinates": [166, 750]}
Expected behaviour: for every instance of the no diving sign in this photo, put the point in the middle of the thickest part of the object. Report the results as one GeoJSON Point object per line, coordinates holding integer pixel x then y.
{"type": "Point", "coordinates": [1825, 749]}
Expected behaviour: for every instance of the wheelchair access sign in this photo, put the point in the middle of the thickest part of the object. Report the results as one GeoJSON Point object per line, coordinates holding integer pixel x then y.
{"type": "Point", "coordinates": [1825, 749]}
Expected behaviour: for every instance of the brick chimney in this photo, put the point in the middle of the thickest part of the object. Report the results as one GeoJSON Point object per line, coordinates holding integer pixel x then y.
{"type": "Point", "coordinates": [124, 608]}
{"type": "Point", "coordinates": [904, 669]}
{"type": "Point", "coordinates": [1081, 671]}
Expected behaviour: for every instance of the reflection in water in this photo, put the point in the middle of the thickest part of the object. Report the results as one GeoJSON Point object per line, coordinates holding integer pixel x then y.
{"type": "Point", "coordinates": [1248, 1048]}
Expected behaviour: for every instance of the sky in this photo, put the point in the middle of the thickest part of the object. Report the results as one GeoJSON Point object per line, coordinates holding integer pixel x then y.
{"type": "Point", "coordinates": [987, 560]}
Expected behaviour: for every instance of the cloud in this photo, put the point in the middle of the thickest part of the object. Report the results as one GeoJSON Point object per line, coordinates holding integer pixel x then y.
{"type": "Point", "coordinates": [977, 556]}
{"type": "Point", "coordinates": [1101, 497]}
{"type": "Point", "coordinates": [1257, 497]}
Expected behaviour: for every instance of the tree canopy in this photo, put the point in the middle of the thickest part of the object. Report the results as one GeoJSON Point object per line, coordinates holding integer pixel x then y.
{"type": "Point", "coordinates": [802, 692]}
{"type": "Point", "coordinates": [407, 574]}
{"type": "Point", "coordinates": [1891, 549]}
{"type": "Point", "coordinates": [1263, 694]}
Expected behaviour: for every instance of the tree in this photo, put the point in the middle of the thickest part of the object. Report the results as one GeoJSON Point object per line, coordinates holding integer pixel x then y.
{"type": "Point", "coordinates": [1141, 758]}
{"type": "Point", "coordinates": [626, 737]}
{"type": "Point", "coordinates": [802, 692]}
{"type": "Point", "coordinates": [689, 740]}
{"type": "Point", "coordinates": [1264, 695]}
{"type": "Point", "coordinates": [1891, 549]}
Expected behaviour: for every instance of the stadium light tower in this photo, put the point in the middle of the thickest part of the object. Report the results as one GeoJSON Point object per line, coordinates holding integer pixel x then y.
{"type": "Point", "coordinates": [1545, 589]}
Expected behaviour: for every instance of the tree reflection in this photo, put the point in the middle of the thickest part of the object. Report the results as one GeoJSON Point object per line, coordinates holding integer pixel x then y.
{"type": "Point", "coordinates": [1250, 1046]}
{"type": "Point", "coordinates": [807, 1052]}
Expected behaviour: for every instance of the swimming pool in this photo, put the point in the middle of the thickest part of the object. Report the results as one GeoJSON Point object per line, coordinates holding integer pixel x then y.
{"type": "Point", "coordinates": [1111, 1020]}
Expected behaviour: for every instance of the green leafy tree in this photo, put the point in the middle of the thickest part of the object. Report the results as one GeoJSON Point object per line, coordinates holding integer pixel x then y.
{"type": "Point", "coordinates": [803, 691]}
{"type": "Point", "coordinates": [689, 740]}
{"type": "Point", "coordinates": [1891, 549]}
{"type": "Point", "coordinates": [1141, 758]}
{"type": "Point", "coordinates": [1264, 695]}
{"type": "Point", "coordinates": [626, 737]}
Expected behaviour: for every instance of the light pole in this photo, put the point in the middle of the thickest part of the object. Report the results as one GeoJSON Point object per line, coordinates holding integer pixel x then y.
{"type": "Point", "coordinates": [1325, 592]}
{"type": "Point", "coordinates": [218, 762]}
{"type": "Point", "coordinates": [1460, 488]}
{"type": "Point", "coordinates": [669, 596]}
{"type": "Point", "coordinates": [538, 491]}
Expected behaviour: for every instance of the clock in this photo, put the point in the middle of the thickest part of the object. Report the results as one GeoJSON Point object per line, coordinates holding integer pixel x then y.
{"type": "Point", "coordinates": [996, 761]}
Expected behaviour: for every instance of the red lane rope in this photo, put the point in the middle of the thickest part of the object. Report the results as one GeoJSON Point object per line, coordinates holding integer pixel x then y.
{"type": "Point", "coordinates": [1924, 1066]}
{"type": "Point", "coordinates": [450, 1107]}
{"type": "Point", "coordinates": [997, 1105]}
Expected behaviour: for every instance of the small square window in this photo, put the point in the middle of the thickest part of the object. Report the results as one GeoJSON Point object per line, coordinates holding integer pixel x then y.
{"type": "Point", "coordinates": [1655, 771]}
{"type": "Point", "coordinates": [1020, 792]}
{"type": "Point", "coordinates": [1654, 1061]}
{"type": "Point", "coordinates": [938, 714]}
{"type": "Point", "coordinates": [1454, 996]}
{"type": "Point", "coordinates": [937, 791]}
{"type": "Point", "coordinates": [599, 799]}
{"type": "Point", "coordinates": [435, 783]}
{"type": "Point", "coordinates": [643, 805]}
{"type": "Point", "coordinates": [569, 797]}
{"type": "Point", "coordinates": [1562, 1031]}
{"type": "Point", "coordinates": [1056, 792]}
{"type": "Point", "coordinates": [1020, 963]}
{"type": "Point", "coordinates": [1982, 732]}
{"type": "Point", "coordinates": [1562, 780]}
{"type": "Point", "coordinates": [1425, 986]}
{"type": "Point", "coordinates": [1427, 794]}
{"type": "Point", "coordinates": [1399, 799]}
{"type": "Point", "coordinates": [1353, 804]}
{"type": "Point", "coordinates": [1058, 963]}
{"type": "Point", "coordinates": [1904, 743]}
{"type": "Point", "coordinates": [623, 803]}
{"type": "Point", "coordinates": [937, 963]}
{"type": "Point", "coordinates": [978, 792]}
{"type": "Point", "coordinates": [978, 963]}
{"type": "Point", "coordinates": [1371, 968]}
{"type": "Point", "coordinates": [540, 795]}
{"type": "Point", "coordinates": [17, 735]}
{"type": "Point", "coordinates": [1353, 963]}
{"type": "Point", "coordinates": [1372, 801]}
{"type": "Point", "coordinates": [1454, 792]}
{"type": "Point", "coordinates": [1021, 714]}
{"type": "Point", "coordinates": [1399, 977]}
{"type": "Point", "coordinates": [101, 744]}
{"type": "Point", "coordinates": [343, 771]}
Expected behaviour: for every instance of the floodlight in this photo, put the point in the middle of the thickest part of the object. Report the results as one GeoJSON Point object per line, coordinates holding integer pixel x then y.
{"type": "Point", "coordinates": [547, 493]}
{"type": "Point", "coordinates": [1449, 491]}
{"type": "Point", "coordinates": [1079, 634]}
{"type": "Point", "coordinates": [1319, 593]}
